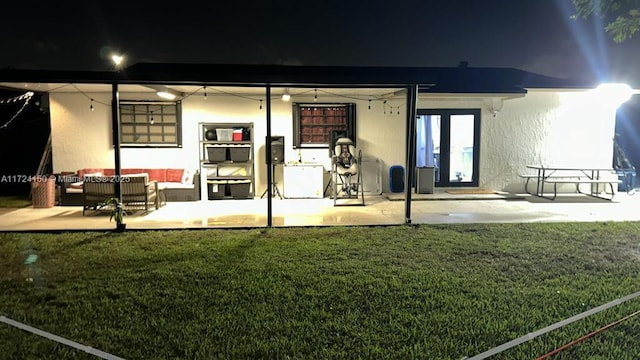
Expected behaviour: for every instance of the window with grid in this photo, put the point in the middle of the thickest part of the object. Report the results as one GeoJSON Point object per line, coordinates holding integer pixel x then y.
{"type": "Point", "coordinates": [314, 123]}
{"type": "Point", "coordinates": [150, 123]}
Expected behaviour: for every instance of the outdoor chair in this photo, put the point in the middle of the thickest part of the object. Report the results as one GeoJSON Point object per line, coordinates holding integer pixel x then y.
{"type": "Point", "coordinates": [347, 179]}
{"type": "Point", "coordinates": [137, 191]}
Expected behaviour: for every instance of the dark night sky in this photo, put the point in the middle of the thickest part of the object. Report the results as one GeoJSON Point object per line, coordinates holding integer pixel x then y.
{"type": "Point", "coordinates": [533, 35]}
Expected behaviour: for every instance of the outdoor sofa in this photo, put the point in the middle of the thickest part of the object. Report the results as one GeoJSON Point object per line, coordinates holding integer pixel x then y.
{"type": "Point", "coordinates": [137, 192]}
{"type": "Point", "coordinates": [173, 184]}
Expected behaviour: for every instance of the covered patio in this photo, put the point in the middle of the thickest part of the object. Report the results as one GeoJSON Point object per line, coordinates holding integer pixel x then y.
{"type": "Point", "coordinates": [491, 123]}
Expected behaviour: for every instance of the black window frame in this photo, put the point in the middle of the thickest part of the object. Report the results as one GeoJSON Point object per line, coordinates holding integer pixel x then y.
{"type": "Point", "coordinates": [142, 111]}
{"type": "Point", "coordinates": [299, 118]}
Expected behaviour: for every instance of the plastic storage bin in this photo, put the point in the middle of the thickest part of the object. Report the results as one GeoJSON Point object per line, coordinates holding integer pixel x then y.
{"type": "Point", "coordinates": [216, 153]}
{"type": "Point", "coordinates": [237, 134]}
{"type": "Point", "coordinates": [239, 188]}
{"type": "Point", "coordinates": [224, 134]}
{"type": "Point", "coordinates": [239, 154]}
{"type": "Point", "coordinates": [216, 189]}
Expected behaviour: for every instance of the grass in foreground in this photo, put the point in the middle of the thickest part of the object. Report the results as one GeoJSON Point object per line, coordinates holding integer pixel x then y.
{"type": "Point", "coordinates": [428, 292]}
{"type": "Point", "coordinates": [14, 202]}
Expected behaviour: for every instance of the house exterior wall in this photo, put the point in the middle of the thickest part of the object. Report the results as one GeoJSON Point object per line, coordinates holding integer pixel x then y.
{"type": "Point", "coordinates": [543, 127]}
{"type": "Point", "coordinates": [550, 127]}
{"type": "Point", "coordinates": [546, 127]}
{"type": "Point", "coordinates": [81, 138]}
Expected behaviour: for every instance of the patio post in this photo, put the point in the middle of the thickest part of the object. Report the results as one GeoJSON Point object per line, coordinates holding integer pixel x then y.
{"type": "Point", "coordinates": [267, 152]}
{"type": "Point", "coordinates": [412, 94]}
{"type": "Point", "coordinates": [115, 125]}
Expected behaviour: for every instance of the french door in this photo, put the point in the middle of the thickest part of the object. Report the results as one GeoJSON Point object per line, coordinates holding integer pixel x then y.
{"type": "Point", "coordinates": [449, 141]}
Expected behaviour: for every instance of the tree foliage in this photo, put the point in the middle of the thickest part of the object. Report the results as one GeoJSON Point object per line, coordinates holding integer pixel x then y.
{"type": "Point", "coordinates": [626, 13]}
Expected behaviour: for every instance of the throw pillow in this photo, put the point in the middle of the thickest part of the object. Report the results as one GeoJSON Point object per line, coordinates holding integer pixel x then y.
{"type": "Point", "coordinates": [76, 185]}
{"type": "Point", "coordinates": [186, 177]}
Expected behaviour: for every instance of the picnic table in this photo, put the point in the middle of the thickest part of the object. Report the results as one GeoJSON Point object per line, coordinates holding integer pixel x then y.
{"type": "Point", "coordinates": [594, 176]}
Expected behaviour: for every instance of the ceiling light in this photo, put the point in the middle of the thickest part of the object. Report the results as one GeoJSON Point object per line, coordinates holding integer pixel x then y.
{"type": "Point", "coordinates": [286, 96]}
{"type": "Point", "coordinates": [168, 94]}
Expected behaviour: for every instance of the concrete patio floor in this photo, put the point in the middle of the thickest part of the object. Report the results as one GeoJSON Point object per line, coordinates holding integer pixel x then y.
{"type": "Point", "coordinates": [439, 208]}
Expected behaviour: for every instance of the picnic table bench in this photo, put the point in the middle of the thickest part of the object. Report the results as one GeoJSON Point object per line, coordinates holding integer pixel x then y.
{"type": "Point", "coordinates": [571, 175]}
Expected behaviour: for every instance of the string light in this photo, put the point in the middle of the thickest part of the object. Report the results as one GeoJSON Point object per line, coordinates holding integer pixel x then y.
{"type": "Point", "coordinates": [286, 96]}
{"type": "Point", "coordinates": [151, 121]}
{"type": "Point", "coordinates": [27, 98]}
{"type": "Point", "coordinates": [26, 95]}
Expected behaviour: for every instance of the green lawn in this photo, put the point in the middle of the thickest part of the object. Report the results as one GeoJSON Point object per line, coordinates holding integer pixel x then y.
{"type": "Point", "coordinates": [402, 292]}
{"type": "Point", "coordinates": [14, 201]}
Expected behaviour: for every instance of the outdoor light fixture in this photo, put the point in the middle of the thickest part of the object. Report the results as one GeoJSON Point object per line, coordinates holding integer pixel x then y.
{"type": "Point", "coordinates": [117, 59]}
{"type": "Point", "coordinates": [286, 96]}
{"type": "Point", "coordinates": [167, 93]}
{"type": "Point", "coordinates": [614, 94]}
{"type": "Point", "coordinates": [496, 106]}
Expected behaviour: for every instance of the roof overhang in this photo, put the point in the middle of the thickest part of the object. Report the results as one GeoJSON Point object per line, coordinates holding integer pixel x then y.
{"type": "Point", "coordinates": [455, 80]}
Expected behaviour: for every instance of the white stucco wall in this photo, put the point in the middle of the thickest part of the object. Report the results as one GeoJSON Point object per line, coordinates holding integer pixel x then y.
{"type": "Point", "coordinates": [549, 128]}
{"type": "Point", "coordinates": [544, 127]}
{"type": "Point", "coordinates": [554, 128]}
{"type": "Point", "coordinates": [82, 138]}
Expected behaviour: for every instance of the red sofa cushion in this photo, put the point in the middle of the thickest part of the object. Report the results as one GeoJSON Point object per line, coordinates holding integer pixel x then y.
{"type": "Point", "coordinates": [129, 171]}
{"type": "Point", "coordinates": [158, 175]}
{"type": "Point", "coordinates": [174, 175]}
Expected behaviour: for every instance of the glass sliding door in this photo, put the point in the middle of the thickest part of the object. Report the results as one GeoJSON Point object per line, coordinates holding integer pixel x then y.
{"type": "Point", "coordinates": [449, 140]}
{"type": "Point", "coordinates": [461, 148]}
